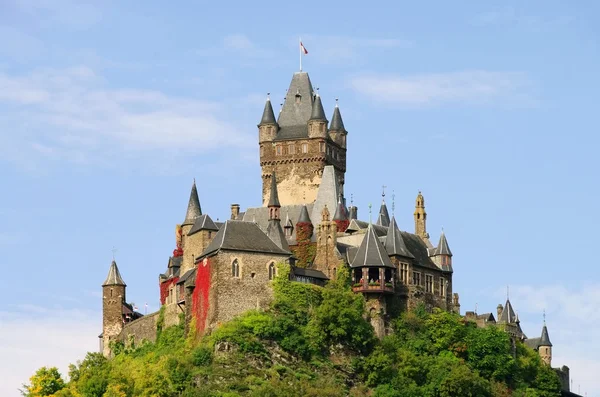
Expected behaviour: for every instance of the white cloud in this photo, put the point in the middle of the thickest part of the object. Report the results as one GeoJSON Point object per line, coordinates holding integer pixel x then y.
{"type": "Point", "coordinates": [474, 86]}
{"type": "Point", "coordinates": [510, 16]}
{"type": "Point", "coordinates": [32, 337]}
{"type": "Point", "coordinates": [71, 113]}
{"type": "Point", "coordinates": [573, 320]}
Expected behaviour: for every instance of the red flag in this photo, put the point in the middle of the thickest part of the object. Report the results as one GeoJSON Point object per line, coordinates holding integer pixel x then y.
{"type": "Point", "coordinates": [303, 49]}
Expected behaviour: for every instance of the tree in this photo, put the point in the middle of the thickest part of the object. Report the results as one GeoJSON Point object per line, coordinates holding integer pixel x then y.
{"type": "Point", "coordinates": [45, 382]}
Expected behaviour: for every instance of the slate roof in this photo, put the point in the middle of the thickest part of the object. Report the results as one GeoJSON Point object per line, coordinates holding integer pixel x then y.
{"type": "Point", "coordinates": [304, 218]}
{"type": "Point", "coordinates": [318, 113]}
{"type": "Point", "coordinates": [203, 222]}
{"type": "Point", "coordinates": [508, 315]}
{"type": "Point", "coordinates": [300, 271]}
{"type": "Point", "coordinates": [294, 115]}
{"type": "Point", "coordinates": [341, 214]}
{"type": "Point", "coordinates": [274, 199]}
{"type": "Point", "coordinates": [186, 276]}
{"type": "Point", "coordinates": [260, 215]}
{"type": "Point", "coordinates": [268, 116]}
{"type": "Point", "coordinates": [242, 236]}
{"type": "Point", "coordinates": [371, 252]}
{"type": "Point", "coordinates": [394, 243]}
{"type": "Point", "coordinates": [533, 343]}
{"type": "Point", "coordinates": [328, 193]}
{"type": "Point", "coordinates": [114, 276]}
{"type": "Point", "coordinates": [356, 225]}
{"type": "Point", "coordinates": [545, 339]}
{"type": "Point", "coordinates": [443, 248]}
{"type": "Point", "coordinates": [275, 233]}
{"type": "Point", "coordinates": [193, 210]}
{"type": "Point", "coordinates": [384, 217]}
{"type": "Point", "coordinates": [336, 121]}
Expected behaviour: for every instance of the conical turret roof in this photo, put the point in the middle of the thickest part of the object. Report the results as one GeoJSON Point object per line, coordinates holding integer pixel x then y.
{"type": "Point", "coordinates": [508, 315]}
{"type": "Point", "coordinates": [394, 243]}
{"type": "Point", "coordinates": [336, 121]}
{"type": "Point", "coordinates": [114, 276]}
{"type": "Point", "coordinates": [371, 252]}
{"type": "Point", "coordinates": [274, 199]}
{"type": "Point", "coordinates": [275, 233]}
{"type": "Point", "coordinates": [317, 110]}
{"type": "Point", "coordinates": [384, 216]}
{"type": "Point", "coordinates": [545, 339]}
{"type": "Point", "coordinates": [193, 211]}
{"type": "Point", "coordinates": [268, 116]}
{"type": "Point", "coordinates": [443, 248]}
{"type": "Point", "coordinates": [304, 218]}
{"type": "Point", "coordinates": [341, 214]}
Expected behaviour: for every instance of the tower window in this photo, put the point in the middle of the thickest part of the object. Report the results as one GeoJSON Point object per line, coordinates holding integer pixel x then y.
{"type": "Point", "coordinates": [278, 150]}
{"type": "Point", "coordinates": [272, 271]}
{"type": "Point", "coordinates": [418, 216]}
{"type": "Point", "coordinates": [442, 286]}
{"type": "Point", "coordinates": [235, 269]}
{"type": "Point", "coordinates": [292, 149]}
{"type": "Point", "coordinates": [305, 148]}
{"type": "Point", "coordinates": [404, 273]}
{"type": "Point", "coordinates": [322, 147]}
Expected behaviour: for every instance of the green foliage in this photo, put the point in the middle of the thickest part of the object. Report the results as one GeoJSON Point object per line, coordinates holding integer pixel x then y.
{"type": "Point", "coordinates": [45, 382]}
{"type": "Point", "coordinates": [312, 341]}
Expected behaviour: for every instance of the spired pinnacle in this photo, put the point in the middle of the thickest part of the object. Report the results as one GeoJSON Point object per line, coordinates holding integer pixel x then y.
{"type": "Point", "coordinates": [317, 109]}
{"type": "Point", "coordinates": [336, 121]}
{"type": "Point", "coordinates": [114, 276]}
{"type": "Point", "coordinates": [193, 211]}
{"type": "Point", "coordinates": [274, 200]}
{"type": "Point", "coordinates": [268, 116]}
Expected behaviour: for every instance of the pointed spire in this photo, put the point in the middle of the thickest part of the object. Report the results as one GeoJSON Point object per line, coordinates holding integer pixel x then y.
{"type": "Point", "coordinates": [317, 109]}
{"type": "Point", "coordinates": [193, 211]}
{"type": "Point", "coordinates": [274, 200]}
{"type": "Point", "coordinates": [276, 234]}
{"type": "Point", "coordinates": [394, 243]}
{"type": "Point", "coordinates": [340, 211]}
{"type": "Point", "coordinates": [336, 121]}
{"type": "Point", "coordinates": [443, 248]}
{"type": "Point", "coordinates": [545, 338]}
{"type": "Point", "coordinates": [114, 276]}
{"type": "Point", "coordinates": [384, 215]}
{"type": "Point", "coordinates": [268, 116]}
{"type": "Point", "coordinates": [304, 218]}
{"type": "Point", "coordinates": [371, 252]}
{"type": "Point", "coordinates": [508, 314]}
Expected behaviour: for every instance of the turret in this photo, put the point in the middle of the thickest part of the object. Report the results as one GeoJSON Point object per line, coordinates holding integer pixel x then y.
{"type": "Point", "coordinates": [442, 255]}
{"type": "Point", "coordinates": [341, 215]}
{"type": "Point", "coordinates": [304, 226]}
{"type": "Point", "coordinates": [384, 216]}
{"type": "Point", "coordinates": [274, 230]}
{"type": "Point", "coordinates": [326, 259]}
{"type": "Point", "coordinates": [268, 127]}
{"type": "Point", "coordinates": [193, 210]}
{"type": "Point", "coordinates": [337, 131]}
{"type": "Point", "coordinates": [317, 124]}
{"type": "Point", "coordinates": [421, 218]}
{"type": "Point", "coordinates": [545, 346]}
{"type": "Point", "coordinates": [113, 298]}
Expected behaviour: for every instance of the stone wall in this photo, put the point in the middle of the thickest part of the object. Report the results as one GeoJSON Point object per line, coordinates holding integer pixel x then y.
{"type": "Point", "coordinates": [298, 174]}
{"type": "Point", "coordinates": [231, 296]}
{"type": "Point", "coordinates": [137, 331]}
{"type": "Point", "coordinates": [171, 315]}
{"type": "Point", "coordinates": [376, 310]}
{"type": "Point", "coordinates": [193, 246]}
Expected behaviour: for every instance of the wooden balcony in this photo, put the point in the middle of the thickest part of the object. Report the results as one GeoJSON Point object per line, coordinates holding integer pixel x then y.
{"type": "Point", "coordinates": [387, 288]}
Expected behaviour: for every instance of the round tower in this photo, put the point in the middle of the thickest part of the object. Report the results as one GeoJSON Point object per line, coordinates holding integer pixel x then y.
{"type": "Point", "coordinates": [545, 346]}
{"type": "Point", "coordinates": [420, 217]}
{"type": "Point", "coordinates": [113, 297]}
{"type": "Point", "coordinates": [267, 128]}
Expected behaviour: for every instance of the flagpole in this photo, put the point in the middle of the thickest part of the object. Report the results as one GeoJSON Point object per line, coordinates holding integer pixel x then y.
{"type": "Point", "coordinates": [300, 51]}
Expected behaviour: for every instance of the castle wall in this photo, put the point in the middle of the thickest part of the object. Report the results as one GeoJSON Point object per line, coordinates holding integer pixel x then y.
{"type": "Point", "coordinates": [376, 310]}
{"type": "Point", "coordinates": [143, 328]}
{"type": "Point", "coordinates": [193, 246]}
{"type": "Point", "coordinates": [201, 296]}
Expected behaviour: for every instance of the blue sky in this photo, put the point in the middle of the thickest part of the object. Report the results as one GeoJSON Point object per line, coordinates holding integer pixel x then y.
{"type": "Point", "coordinates": [109, 109]}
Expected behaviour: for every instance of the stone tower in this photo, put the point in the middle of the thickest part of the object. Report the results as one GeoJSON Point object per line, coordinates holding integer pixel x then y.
{"type": "Point", "coordinates": [113, 298]}
{"type": "Point", "coordinates": [298, 145]}
{"type": "Point", "coordinates": [326, 259]}
{"type": "Point", "coordinates": [421, 218]}
{"type": "Point", "coordinates": [193, 212]}
{"type": "Point", "coordinates": [545, 346]}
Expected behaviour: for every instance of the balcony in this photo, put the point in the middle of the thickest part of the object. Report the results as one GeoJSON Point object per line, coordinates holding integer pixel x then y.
{"type": "Point", "coordinates": [387, 288]}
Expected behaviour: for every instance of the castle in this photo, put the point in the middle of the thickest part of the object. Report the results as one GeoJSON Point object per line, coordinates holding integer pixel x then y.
{"type": "Point", "coordinates": [219, 270]}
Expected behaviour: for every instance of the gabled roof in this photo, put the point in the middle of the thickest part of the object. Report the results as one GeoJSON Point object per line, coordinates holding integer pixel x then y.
{"type": "Point", "coordinates": [328, 193]}
{"type": "Point", "coordinates": [193, 209]}
{"type": "Point", "coordinates": [336, 121]}
{"type": "Point", "coordinates": [274, 199]}
{"type": "Point", "coordinates": [533, 343]}
{"type": "Point", "coordinates": [394, 243]}
{"type": "Point", "coordinates": [295, 113]}
{"type": "Point", "coordinates": [318, 113]}
{"type": "Point", "coordinates": [275, 233]}
{"type": "Point", "coordinates": [237, 235]}
{"type": "Point", "coordinates": [300, 271]}
{"type": "Point", "coordinates": [545, 339]}
{"type": "Point", "coordinates": [268, 116]}
{"type": "Point", "coordinates": [443, 248]}
{"type": "Point", "coordinates": [114, 276]}
{"type": "Point", "coordinates": [371, 252]}
{"type": "Point", "coordinates": [508, 315]}
{"type": "Point", "coordinates": [384, 217]}
{"type": "Point", "coordinates": [203, 222]}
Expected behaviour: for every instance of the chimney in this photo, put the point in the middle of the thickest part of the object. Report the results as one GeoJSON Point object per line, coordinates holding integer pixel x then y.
{"type": "Point", "coordinates": [235, 211]}
{"type": "Point", "coordinates": [499, 311]}
{"type": "Point", "coordinates": [353, 210]}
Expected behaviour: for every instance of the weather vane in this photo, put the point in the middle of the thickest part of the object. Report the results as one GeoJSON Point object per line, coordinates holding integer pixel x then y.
{"type": "Point", "coordinates": [114, 251]}
{"type": "Point", "coordinates": [393, 203]}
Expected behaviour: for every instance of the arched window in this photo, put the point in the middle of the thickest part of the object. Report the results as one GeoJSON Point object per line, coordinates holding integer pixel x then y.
{"type": "Point", "coordinates": [272, 271]}
{"type": "Point", "coordinates": [334, 272]}
{"type": "Point", "coordinates": [235, 269]}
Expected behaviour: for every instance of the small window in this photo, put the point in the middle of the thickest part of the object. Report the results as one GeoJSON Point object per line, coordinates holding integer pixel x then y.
{"type": "Point", "coordinates": [235, 269]}
{"type": "Point", "coordinates": [292, 149]}
{"type": "Point", "coordinates": [278, 150]}
{"type": "Point", "coordinates": [305, 148]}
{"type": "Point", "coordinates": [334, 272]}
{"type": "Point", "coordinates": [416, 278]}
{"type": "Point", "coordinates": [428, 283]}
{"type": "Point", "coordinates": [272, 271]}
{"type": "Point", "coordinates": [404, 273]}
{"type": "Point", "coordinates": [442, 286]}
{"type": "Point", "coordinates": [322, 147]}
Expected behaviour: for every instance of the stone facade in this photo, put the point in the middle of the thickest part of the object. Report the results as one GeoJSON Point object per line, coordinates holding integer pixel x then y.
{"type": "Point", "coordinates": [140, 330]}
{"type": "Point", "coordinates": [113, 297]}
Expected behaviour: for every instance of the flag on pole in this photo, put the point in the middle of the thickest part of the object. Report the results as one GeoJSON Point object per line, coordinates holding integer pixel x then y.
{"type": "Point", "coordinates": [303, 49]}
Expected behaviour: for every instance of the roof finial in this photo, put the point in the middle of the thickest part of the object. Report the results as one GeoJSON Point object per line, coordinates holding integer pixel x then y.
{"type": "Point", "coordinates": [383, 192]}
{"type": "Point", "coordinates": [352, 199]}
{"type": "Point", "coordinates": [336, 102]}
{"type": "Point", "coordinates": [507, 292]}
{"type": "Point", "coordinates": [268, 96]}
{"type": "Point", "coordinates": [281, 108]}
{"type": "Point", "coordinates": [370, 217]}
{"type": "Point", "coordinates": [393, 203]}
{"type": "Point", "coordinates": [544, 317]}
{"type": "Point", "coordinates": [114, 250]}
